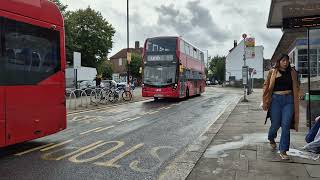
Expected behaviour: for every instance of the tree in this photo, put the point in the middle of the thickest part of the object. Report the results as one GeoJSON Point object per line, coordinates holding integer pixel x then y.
{"type": "Point", "coordinates": [105, 69]}
{"type": "Point", "coordinates": [207, 72]}
{"type": "Point", "coordinates": [90, 34]}
{"type": "Point", "coordinates": [135, 64]}
{"type": "Point", "coordinates": [217, 67]}
{"type": "Point", "coordinates": [62, 7]}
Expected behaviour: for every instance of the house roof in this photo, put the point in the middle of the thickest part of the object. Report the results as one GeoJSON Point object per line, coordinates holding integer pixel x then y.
{"type": "Point", "coordinates": [280, 9]}
{"type": "Point", "coordinates": [123, 53]}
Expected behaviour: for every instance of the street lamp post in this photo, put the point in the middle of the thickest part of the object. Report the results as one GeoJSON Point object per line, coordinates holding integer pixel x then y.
{"type": "Point", "coordinates": [128, 63]}
{"type": "Point", "coordinates": [207, 59]}
{"type": "Point", "coordinates": [244, 70]}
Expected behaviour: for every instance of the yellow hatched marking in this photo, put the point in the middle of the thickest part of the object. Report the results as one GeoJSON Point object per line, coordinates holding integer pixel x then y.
{"type": "Point", "coordinates": [153, 112]}
{"type": "Point", "coordinates": [103, 129]}
{"type": "Point", "coordinates": [134, 118]}
{"type": "Point", "coordinates": [111, 163]}
{"type": "Point", "coordinates": [141, 114]}
{"type": "Point", "coordinates": [104, 110]}
{"type": "Point", "coordinates": [57, 145]}
{"type": "Point", "coordinates": [89, 131]}
{"type": "Point", "coordinates": [33, 149]}
{"type": "Point", "coordinates": [86, 118]}
{"type": "Point", "coordinates": [124, 120]}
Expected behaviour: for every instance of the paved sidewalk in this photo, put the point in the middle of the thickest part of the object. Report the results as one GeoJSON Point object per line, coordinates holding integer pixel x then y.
{"type": "Point", "coordinates": [240, 149]}
{"type": "Point", "coordinates": [83, 103]}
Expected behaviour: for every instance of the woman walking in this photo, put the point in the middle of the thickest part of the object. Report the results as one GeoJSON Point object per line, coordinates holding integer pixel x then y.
{"type": "Point", "coordinates": [281, 100]}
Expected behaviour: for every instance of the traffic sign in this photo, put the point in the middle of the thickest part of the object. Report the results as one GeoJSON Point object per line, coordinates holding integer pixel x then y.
{"type": "Point", "coordinates": [129, 57]}
{"type": "Point", "coordinates": [244, 36]}
{"type": "Point", "coordinates": [254, 72]}
{"type": "Point", "coordinates": [245, 70]}
{"type": "Point", "coordinates": [76, 60]}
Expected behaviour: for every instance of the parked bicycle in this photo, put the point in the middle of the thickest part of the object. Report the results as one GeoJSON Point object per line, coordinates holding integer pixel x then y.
{"type": "Point", "coordinates": [114, 95]}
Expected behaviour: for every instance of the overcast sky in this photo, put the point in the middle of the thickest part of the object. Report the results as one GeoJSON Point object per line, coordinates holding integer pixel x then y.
{"type": "Point", "coordinates": [208, 24]}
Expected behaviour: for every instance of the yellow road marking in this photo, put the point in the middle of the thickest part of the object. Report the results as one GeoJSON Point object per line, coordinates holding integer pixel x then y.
{"type": "Point", "coordinates": [54, 146]}
{"type": "Point", "coordinates": [124, 120]}
{"type": "Point", "coordinates": [167, 107]}
{"type": "Point", "coordinates": [152, 112]}
{"type": "Point", "coordinates": [154, 152]}
{"type": "Point", "coordinates": [33, 149]}
{"type": "Point", "coordinates": [141, 114]}
{"type": "Point", "coordinates": [75, 119]}
{"type": "Point", "coordinates": [99, 121]}
{"type": "Point", "coordinates": [134, 118]}
{"type": "Point", "coordinates": [161, 108]}
{"type": "Point", "coordinates": [75, 160]}
{"type": "Point", "coordinates": [111, 163]}
{"type": "Point", "coordinates": [89, 131]}
{"type": "Point", "coordinates": [45, 156]}
{"type": "Point", "coordinates": [103, 129]}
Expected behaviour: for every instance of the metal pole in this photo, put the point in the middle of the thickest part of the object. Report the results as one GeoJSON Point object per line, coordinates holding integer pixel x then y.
{"type": "Point", "coordinates": [252, 83]}
{"type": "Point", "coordinates": [128, 70]}
{"type": "Point", "coordinates": [244, 64]}
{"type": "Point", "coordinates": [309, 74]}
{"type": "Point", "coordinates": [207, 59]}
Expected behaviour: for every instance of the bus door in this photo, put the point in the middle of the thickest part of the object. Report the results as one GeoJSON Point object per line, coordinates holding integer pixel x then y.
{"type": "Point", "coordinates": [2, 116]}
{"type": "Point", "coordinates": [182, 81]}
{"type": "Point", "coordinates": [2, 90]}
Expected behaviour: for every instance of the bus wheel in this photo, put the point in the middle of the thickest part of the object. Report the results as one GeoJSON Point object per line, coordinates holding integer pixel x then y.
{"type": "Point", "coordinates": [155, 98]}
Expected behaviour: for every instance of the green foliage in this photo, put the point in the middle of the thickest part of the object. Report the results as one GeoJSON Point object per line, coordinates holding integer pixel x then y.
{"type": "Point", "coordinates": [135, 64]}
{"type": "Point", "coordinates": [217, 67]}
{"type": "Point", "coordinates": [90, 34]}
{"type": "Point", "coordinates": [207, 72]}
{"type": "Point", "coordinates": [104, 68]}
{"type": "Point", "coordinates": [62, 7]}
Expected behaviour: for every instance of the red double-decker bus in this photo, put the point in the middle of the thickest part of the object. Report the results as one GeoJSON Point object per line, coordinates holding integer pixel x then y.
{"type": "Point", "coordinates": [172, 68]}
{"type": "Point", "coordinates": [32, 63]}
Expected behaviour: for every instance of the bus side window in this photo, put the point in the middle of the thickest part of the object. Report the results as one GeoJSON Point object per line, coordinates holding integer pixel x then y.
{"type": "Point", "coordinates": [11, 56]}
{"type": "Point", "coordinates": [35, 59]}
{"type": "Point", "coordinates": [49, 64]}
{"type": "Point", "coordinates": [46, 63]}
{"type": "Point", "coordinates": [26, 56]}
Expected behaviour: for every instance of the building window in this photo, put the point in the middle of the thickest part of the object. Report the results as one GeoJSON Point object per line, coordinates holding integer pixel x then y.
{"type": "Point", "coordinates": [120, 61]}
{"type": "Point", "coordinates": [303, 62]}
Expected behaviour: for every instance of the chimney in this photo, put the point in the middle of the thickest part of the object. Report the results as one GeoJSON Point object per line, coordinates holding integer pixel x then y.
{"type": "Point", "coordinates": [136, 45]}
{"type": "Point", "coordinates": [235, 43]}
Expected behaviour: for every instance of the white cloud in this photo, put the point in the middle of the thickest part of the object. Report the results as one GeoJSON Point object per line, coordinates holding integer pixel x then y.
{"type": "Point", "coordinates": [211, 25]}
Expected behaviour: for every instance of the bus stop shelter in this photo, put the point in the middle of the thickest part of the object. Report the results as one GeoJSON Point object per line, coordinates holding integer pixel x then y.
{"type": "Point", "coordinates": [300, 22]}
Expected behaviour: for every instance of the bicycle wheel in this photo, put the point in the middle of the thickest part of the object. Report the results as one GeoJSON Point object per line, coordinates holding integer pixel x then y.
{"type": "Point", "coordinates": [126, 96]}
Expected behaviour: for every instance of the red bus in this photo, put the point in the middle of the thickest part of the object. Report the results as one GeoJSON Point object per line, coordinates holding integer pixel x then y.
{"type": "Point", "coordinates": [172, 68]}
{"type": "Point", "coordinates": [32, 70]}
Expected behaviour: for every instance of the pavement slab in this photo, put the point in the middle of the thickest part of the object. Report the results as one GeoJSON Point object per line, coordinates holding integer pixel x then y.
{"type": "Point", "coordinates": [240, 150]}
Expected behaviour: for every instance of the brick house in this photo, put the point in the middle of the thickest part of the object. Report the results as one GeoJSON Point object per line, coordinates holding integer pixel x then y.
{"type": "Point", "coordinates": [119, 62]}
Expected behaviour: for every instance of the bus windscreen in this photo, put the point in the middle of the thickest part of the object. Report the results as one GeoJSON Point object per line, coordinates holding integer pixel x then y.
{"type": "Point", "coordinates": [160, 75]}
{"type": "Point", "coordinates": [161, 45]}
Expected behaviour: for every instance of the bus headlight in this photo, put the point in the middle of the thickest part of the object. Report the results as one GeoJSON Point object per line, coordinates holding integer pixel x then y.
{"type": "Point", "coordinates": [175, 87]}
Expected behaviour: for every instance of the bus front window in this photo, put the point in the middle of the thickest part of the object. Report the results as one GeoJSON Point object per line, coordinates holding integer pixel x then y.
{"type": "Point", "coordinates": [159, 75]}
